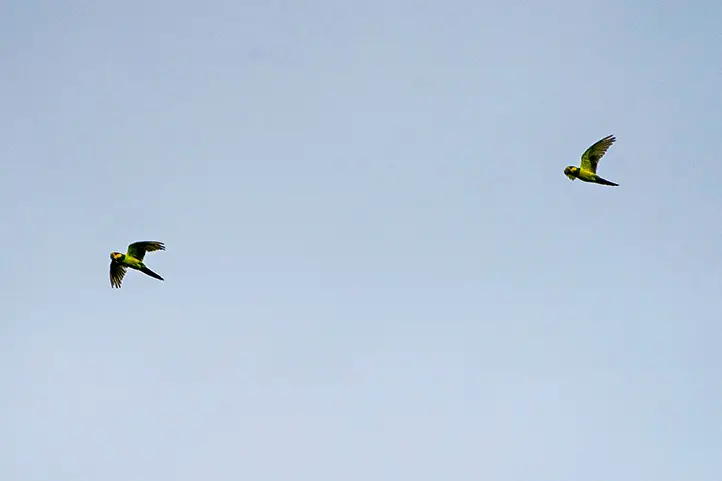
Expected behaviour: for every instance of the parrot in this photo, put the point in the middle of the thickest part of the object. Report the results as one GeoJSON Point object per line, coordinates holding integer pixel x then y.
{"type": "Point", "coordinates": [133, 259]}
{"type": "Point", "coordinates": [590, 159]}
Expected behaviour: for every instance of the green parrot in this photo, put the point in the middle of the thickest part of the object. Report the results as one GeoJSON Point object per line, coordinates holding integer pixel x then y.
{"type": "Point", "coordinates": [133, 259]}
{"type": "Point", "coordinates": [590, 159]}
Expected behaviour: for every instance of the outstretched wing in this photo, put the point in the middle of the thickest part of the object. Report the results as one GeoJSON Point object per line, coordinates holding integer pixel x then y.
{"type": "Point", "coordinates": [590, 158]}
{"type": "Point", "coordinates": [138, 249]}
{"type": "Point", "coordinates": [117, 272]}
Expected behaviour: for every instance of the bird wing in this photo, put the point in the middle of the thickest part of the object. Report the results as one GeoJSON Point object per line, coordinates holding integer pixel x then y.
{"type": "Point", "coordinates": [590, 158]}
{"type": "Point", "coordinates": [117, 272]}
{"type": "Point", "coordinates": [138, 249]}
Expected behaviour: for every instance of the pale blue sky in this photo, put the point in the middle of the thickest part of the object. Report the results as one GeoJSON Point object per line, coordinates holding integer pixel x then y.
{"type": "Point", "coordinates": [375, 267]}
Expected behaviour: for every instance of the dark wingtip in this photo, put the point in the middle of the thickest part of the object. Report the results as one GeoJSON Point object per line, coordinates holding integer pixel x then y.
{"type": "Point", "coordinates": [160, 245]}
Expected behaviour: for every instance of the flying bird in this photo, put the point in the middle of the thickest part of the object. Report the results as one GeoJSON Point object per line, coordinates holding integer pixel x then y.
{"type": "Point", "coordinates": [133, 259]}
{"type": "Point", "coordinates": [590, 159]}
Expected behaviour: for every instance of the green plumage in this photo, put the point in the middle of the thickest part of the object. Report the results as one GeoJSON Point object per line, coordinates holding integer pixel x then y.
{"type": "Point", "coordinates": [132, 259]}
{"type": "Point", "coordinates": [587, 172]}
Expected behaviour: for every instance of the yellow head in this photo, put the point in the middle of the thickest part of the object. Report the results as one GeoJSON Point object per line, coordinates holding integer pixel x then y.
{"type": "Point", "coordinates": [571, 172]}
{"type": "Point", "coordinates": [116, 256]}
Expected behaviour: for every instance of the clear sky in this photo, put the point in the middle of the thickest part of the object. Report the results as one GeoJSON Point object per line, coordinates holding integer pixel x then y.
{"type": "Point", "coordinates": [375, 267]}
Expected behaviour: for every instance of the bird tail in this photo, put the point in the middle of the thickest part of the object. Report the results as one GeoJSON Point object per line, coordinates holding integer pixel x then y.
{"type": "Point", "coordinates": [147, 271]}
{"type": "Point", "coordinates": [605, 182]}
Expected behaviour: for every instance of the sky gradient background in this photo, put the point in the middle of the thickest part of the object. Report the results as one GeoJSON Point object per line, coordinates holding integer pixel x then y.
{"type": "Point", "coordinates": [375, 267]}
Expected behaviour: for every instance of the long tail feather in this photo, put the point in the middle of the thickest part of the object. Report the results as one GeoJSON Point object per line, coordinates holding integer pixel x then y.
{"type": "Point", "coordinates": [605, 182]}
{"type": "Point", "coordinates": [145, 270]}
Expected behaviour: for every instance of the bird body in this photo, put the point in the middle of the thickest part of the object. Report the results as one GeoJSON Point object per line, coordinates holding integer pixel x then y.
{"type": "Point", "coordinates": [586, 176]}
{"type": "Point", "coordinates": [132, 259]}
{"type": "Point", "coordinates": [587, 172]}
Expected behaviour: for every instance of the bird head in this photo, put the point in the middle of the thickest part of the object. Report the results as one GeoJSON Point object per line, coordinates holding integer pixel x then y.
{"type": "Point", "coordinates": [571, 172]}
{"type": "Point", "coordinates": [115, 256]}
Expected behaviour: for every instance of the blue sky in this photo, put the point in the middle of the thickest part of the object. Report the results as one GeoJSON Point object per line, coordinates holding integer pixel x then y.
{"type": "Point", "coordinates": [375, 267]}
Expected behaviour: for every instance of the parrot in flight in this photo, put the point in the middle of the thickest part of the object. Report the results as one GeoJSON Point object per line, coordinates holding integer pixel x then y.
{"type": "Point", "coordinates": [133, 259]}
{"type": "Point", "coordinates": [590, 159]}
